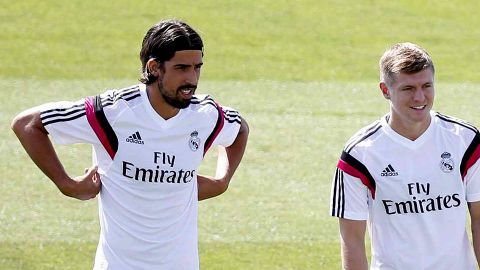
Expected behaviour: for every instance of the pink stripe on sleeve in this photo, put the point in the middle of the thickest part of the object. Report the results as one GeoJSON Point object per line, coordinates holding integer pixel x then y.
{"type": "Point", "coordinates": [92, 120]}
{"type": "Point", "coordinates": [217, 129]}
{"type": "Point", "coordinates": [474, 158]}
{"type": "Point", "coordinates": [342, 165]}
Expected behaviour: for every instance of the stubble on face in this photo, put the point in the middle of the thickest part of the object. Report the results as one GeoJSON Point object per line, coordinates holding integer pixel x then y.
{"type": "Point", "coordinates": [175, 100]}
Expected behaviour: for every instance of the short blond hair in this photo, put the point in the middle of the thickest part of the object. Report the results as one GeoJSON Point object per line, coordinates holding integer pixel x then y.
{"type": "Point", "coordinates": [403, 58]}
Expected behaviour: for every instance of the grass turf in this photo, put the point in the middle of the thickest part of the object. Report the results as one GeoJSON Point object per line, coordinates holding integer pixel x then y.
{"type": "Point", "coordinates": [302, 73]}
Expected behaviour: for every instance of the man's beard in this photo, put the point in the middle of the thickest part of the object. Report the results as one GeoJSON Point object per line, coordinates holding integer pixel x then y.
{"type": "Point", "coordinates": [175, 101]}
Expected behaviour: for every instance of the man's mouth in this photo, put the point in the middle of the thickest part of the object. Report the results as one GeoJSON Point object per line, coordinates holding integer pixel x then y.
{"type": "Point", "coordinates": [187, 90]}
{"type": "Point", "coordinates": [419, 107]}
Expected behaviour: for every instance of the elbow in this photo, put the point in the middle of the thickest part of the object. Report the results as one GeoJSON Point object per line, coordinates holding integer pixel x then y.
{"type": "Point", "coordinates": [222, 187]}
{"type": "Point", "coordinates": [25, 121]}
{"type": "Point", "coordinates": [244, 128]}
{"type": "Point", "coordinates": [19, 123]}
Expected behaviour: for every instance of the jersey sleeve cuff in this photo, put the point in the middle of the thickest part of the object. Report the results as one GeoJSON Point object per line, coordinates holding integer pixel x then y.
{"type": "Point", "coordinates": [54, 135]}
{"type": "Point", "coordinates": [354, 216]}
{"type": "Point", "coordinates": [473, 197]}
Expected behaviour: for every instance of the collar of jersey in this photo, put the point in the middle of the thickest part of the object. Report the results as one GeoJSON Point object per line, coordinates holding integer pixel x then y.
{"type": "Point", "coordinates": [405, 141]}
{"type": "Point", "coordinates": [154, 115]}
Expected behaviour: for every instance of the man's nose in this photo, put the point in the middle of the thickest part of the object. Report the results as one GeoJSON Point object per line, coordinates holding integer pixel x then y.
{"type": "Point", "coordinates": [191, 77]}
{"type": "Point", "coordinates": [419, 95]}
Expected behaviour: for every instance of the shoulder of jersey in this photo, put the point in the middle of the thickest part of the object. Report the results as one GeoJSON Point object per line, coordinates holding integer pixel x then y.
{"type": "Point", "coordinates": [363, 135]}
{"type": "Point", "coordinates": [129, 96]}
{"type": "Point", "coordinates": [204, 103]}
{"type": "Point", "coordinates": [455, 125]}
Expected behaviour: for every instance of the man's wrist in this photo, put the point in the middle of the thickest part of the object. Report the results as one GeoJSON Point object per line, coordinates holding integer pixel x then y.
{"type": "Point", "coordinates": [66, 185]}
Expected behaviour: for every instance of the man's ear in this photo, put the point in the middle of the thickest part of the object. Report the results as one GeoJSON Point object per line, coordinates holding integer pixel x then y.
{"type": "Point", "coordinates": [384, 89]}
{"type": "Point", "coordinates": [154, 68]}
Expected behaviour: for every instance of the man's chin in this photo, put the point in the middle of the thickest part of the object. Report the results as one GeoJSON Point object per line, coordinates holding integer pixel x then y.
{"type": "Point", "coordinates": [181, 104]}
{"type": "Point", "coordinates": [177, 103]}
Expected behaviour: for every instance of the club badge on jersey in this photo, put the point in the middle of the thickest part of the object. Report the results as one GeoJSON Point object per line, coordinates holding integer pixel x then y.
{"type": "Point", "coordinates": [194, 141]}
{"type": "Point", "coordinates": [447, 165]}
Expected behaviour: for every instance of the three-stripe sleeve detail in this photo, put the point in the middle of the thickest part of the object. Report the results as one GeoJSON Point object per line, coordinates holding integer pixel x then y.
{"type": "Point", "coordinates": [51, 116]}
{"type": "Point", "coordinates": [338, 200]}
{"type": "Point", "coordinates": [125, 94]}
{"type": "Point", "coordinates": [231, 116]}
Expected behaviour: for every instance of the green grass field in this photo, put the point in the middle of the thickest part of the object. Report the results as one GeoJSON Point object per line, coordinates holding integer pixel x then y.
{"type": "Point", "coordinates": [303, 73]}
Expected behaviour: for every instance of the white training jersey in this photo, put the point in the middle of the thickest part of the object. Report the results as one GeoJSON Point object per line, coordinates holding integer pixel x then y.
{"type": "Point", "coordinates": [413, 194]}
{"type": "Point", "coordinates": [148, 169]}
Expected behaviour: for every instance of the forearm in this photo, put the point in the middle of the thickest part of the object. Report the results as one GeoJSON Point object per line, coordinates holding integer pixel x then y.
{"type": "Point", "coordinates": [229, 157]}
{"type": "Point", "coordinates": [208, 187]}
{"type": "Point", "coordinates": [476, 239]}
{"type": "Point", "coordinates": [34, 139]}
{"type": "Point", "coordinates": [352, 237]}
{"type": "Point", "coordinates": [474, 209]}
{"type": "Point", "coordinates": [354, 257]}
{"type": "Point", "coordinates": [228, 160]}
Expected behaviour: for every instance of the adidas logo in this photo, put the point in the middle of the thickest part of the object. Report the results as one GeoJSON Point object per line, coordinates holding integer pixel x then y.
{"type": "Point", "coordinates": [135, 138]}
{"type": "Point", "coordinates": [389, 171]}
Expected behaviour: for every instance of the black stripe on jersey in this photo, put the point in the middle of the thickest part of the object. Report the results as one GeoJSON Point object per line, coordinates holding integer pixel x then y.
{"type": "Point", "coordinates": [234, 121]}
{"type": "Point", "coordinates": [230, 112]}
{"type": "Point", "coordinates": [125, 95]}
{"type": "Point", "coordinates": [61, 114]}
{"type": "Point", "coordinates": [350, 160]}
{"type": "Point", "coordinates": [338, 200]}
{"type": "Point", "coordinates": [111, 102]}
{"type": "Point", "coordinates": [65, 110]}
{"type": "Point", "coordinates": [64, 119]}
{"type": "Point", "coordinates": [456, 121]}
{"type": "Point", "coordinates": [204, 102]}
{"type": "Point", "coordinates": [115, 94]}
{"type": "Point", "coordinates": [126, 89]}
{"type": "Point", "coordinates": [216, 129]}
{"type": "Point", "coordinates": [229, 115]}
{"type": "Point", "coordinates": [238, 121]}
{"type": "Point", "coordinates": [196, 100]}
{"type": "Point", "coordinates": [232, 116]}
{"type": "Point", "coordinates": [369, 131]}
{"type": "Point", "coordinates": [102, 120]}
{"type": "Point", "coordinates": [468, 153]}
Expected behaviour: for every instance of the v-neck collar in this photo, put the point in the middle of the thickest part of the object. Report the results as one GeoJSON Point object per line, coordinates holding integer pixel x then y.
{"type": "Point", "coordinates": [150, 111]}
{"type": "Point", "coordinates": [415, 144]}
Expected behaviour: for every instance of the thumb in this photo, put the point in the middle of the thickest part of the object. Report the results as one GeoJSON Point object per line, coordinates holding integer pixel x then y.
{"type": "Point", "coordinates": [91, 171]}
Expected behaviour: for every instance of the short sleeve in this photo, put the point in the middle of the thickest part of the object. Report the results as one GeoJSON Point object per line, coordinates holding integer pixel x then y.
{"type": "Point", "coordinates": [231, 125]}
{"type": "Point", "coordinates": [66, 122]}
{"type": "Point", "coordinates": [472, 180]}
{"type": "Point", "coordinates": [349, 197]}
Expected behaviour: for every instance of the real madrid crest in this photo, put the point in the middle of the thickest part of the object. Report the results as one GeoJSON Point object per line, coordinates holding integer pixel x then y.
{"type": "Point", "coordinates": [194, 141]}
{"type": "Point", "coordinates": [447, 163]}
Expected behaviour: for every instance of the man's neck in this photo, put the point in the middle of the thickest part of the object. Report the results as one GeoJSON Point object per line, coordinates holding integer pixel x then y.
{"type": "Point", "coordinates": [411, 131]}
{"type": "Point", "coordinates": [165, 110]}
